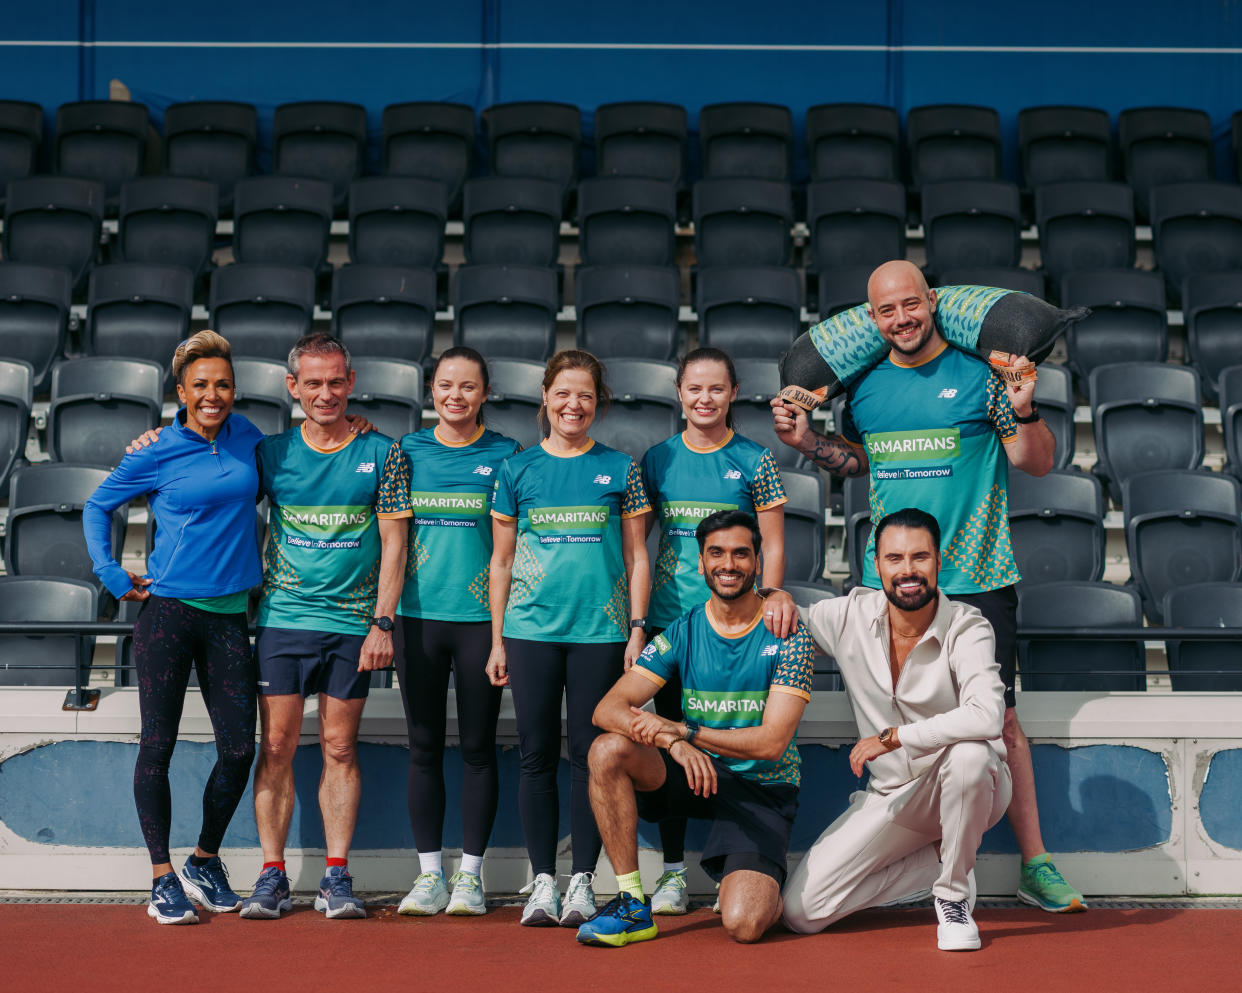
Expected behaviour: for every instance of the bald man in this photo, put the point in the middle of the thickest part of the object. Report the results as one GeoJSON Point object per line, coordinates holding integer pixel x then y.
{"type": "Point", "coordinates": [930, 423]}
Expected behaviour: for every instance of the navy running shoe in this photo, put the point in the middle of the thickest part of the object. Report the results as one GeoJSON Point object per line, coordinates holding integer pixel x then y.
{"type": "Point", "coordinates": [622, 921]}
{"type": "Point", "coordinates": [336, 894]}
{"type": "Point", "coordinates": [169, 904]}
{"type": "Point", "coordinates": [208, 884]}
{"type": "Point", "coordinates": [270, 897]}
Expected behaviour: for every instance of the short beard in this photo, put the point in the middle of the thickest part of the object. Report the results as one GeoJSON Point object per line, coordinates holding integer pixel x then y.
{"type": "Point", "coordinates": [742, 590]}
{"type": "Point", "coordinates": [914, 347]}
{"type": "Point", "coordinates": [912, 603]}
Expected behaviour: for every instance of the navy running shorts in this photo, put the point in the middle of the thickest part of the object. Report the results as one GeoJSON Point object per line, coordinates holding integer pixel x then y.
{"type": "Point", "coordinates": [310, 663]}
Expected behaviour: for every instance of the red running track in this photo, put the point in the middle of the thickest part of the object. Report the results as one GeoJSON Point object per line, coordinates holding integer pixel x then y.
{"type": "Point", "coordinates": [50, 948]}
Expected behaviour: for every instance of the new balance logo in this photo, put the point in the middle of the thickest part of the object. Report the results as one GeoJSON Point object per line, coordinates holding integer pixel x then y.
{"type": "Point", "coordinates": [603, 480]}
{"type": "Point", "coordinates": [482, 470]}
{"type": "Point", "coordinates": [769, 649]}
{"type": "Point", "coordinates": [946, 394]}
{"type": "Point", "coordinates": [733, 474]}
{"type": "Point", "coordinates": [365, 467]}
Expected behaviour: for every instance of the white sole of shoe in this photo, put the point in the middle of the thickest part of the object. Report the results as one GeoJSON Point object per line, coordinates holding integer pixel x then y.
{"type": "Point", "coordinates": [189, 917]}
{"type": "Point", "coordinates": [669, 909]}
{"type": "Point", "coordinates": [195, 893]}
{"type": "Point", "coordinates": [350, 910]}
{"type": "Point", "coordinates": [1034, 901]}
{"type": "Point", "coordinates": [411, 909]}
{"type": "Point", "coordinates": [958, 944]}
{"type": "Point", "coordinates": [465, 910]}
{"type": "Point", "coordinates": [539, 918]}
{"type": "Point", "coordinates": [257, 912]}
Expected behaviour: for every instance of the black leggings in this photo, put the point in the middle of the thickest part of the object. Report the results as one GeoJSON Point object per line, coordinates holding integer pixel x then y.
{"type": "Point", "coordinates": [170, 637]}
{"type": "Point", "coordinates": [539, 674]}
{"type": "Point", "coordinates": [672, 829]}
{"type": "Point", "coordinates": [431, 650]}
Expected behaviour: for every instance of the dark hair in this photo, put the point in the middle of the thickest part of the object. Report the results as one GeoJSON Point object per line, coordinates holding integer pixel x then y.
{"type": "Point", "coordinates": [708, 354]}
{"type": "Point", "coordinates": [470, 355]}
{"type": "Point", "coordinates": [909, 517]}
{"type": "Point", "coordinates": [722, 520]}
{"type": "Point", "coordinates": [317, 343]}
{"type": "Point", "coordinates": [205, 344]}
{"type": "Point", "coordinates": [574, 358]}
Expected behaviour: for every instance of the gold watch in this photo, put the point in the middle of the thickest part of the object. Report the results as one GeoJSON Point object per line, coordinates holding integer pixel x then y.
{"type": "Point", "coordinates": [887, 738]}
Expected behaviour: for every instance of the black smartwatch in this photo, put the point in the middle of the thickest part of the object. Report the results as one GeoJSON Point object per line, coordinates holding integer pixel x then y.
{"type": "Point", "coordinates": [691, 730]}
{"type": "Point", "coordinates": [383, 623]}
{"type": "Point", "coordinates": [638, 622]}
{"type": "Point", "coordinates": [1031, 418]}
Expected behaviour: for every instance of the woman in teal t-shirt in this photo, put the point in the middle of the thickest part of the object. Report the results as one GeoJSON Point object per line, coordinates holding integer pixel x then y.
{"type": "Point", "coordinates": [568, 588]}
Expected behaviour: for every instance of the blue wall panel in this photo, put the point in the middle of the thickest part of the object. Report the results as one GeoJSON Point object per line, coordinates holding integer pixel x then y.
{"type": "Point", "coordinates": [1221, 799]}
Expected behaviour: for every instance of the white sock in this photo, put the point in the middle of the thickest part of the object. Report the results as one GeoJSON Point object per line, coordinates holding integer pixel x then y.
{"type": "Point", "coordinates": [675, 866]}
{"type": "Point", "coordinates": [431, 862]}
{"type": "Point", "coordinates": [471, 863]}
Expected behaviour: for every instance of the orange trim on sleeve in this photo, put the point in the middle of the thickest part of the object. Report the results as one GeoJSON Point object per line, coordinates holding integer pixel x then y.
{"type": "Point", "coordinates": [648, 674]}
{"type": "Point", "coordinates": [773, 504]}
{"type": "Point", "coordinates": [503, 517]}
{"type": "Point", "coordinates": [635, 513]}
{"type": "Point", "coordinates": [394, 515]}
{"type": "Point", "coordinates": [791, 690]}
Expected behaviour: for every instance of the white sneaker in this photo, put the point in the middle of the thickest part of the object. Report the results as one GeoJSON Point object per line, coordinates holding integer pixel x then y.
{"type": "Point", "coordinates": [543, 907]}
{"type": "Point", "coordinates": [670, 896]}
{"type": "Point", "coordinates": [716, 905]}
{"type": "Point", "coordinates": [957, 931]}
{"type": "Point", "coordinates": [579, 900]}
{"type": "Point", "coordinates": [467, 899]}
{"type": "Point", "coordinates": [427, 896]}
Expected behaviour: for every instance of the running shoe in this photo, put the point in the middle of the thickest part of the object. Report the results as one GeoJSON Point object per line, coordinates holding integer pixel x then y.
{"type": "Point", "coordinates": [270, 897]}
{"type": "Point", "coordinates": [716, 905]}
{"type": "Point", "coordinates": [670, 896]}
{"type": "Point", "coordinates": [622, 921]}
{"type": "Point", "coordinates": [543, 907]}
{"type": "Point", "coordinates": [579, 900]}
{"type": "Point", "coordinates": [1043, 887]}
{"type": "Point", "coordinates": [169, 904]}
{"type": "Point", "coordinates": [336, 894]}
{"type": "Point", "coordinates": [957, 931]}
{"type": "Point", "coordinates": [427, 896]}
{"type": "Point", "coordinates": [467, 899]}
{"type": "Point", "coordinates": [208, 884]}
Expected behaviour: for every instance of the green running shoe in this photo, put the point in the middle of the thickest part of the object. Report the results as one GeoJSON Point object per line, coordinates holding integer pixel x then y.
{"type": "Point", "coordinates": [670, 896]}
{"type": "Point", "coordinates": [1043, 887]}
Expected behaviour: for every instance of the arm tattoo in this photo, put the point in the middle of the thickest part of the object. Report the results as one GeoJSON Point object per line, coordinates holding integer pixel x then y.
{"type": "Point", "coordinates": [834, 455]}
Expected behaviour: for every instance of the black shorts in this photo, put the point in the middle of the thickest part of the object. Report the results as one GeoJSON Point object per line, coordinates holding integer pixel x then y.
{"type": "Point", "coordinates": [751, 821]}
{"type": "Point", "coordinates": [310, 663]}
{"type": "Point", "coordinates": [1000, 607]}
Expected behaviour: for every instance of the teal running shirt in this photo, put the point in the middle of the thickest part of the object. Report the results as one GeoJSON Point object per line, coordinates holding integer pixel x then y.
{"type": "Point", "coordinates": [686, 484]}
{"type": "Point", "coordinates": [569, 582]}
{"type": "Point", "coordinates": [933, 435]}
{"type": "Point", "coordinates": [451, 533]}
{"type": "Point", "coordinates": [322, 562]}
{"type": "Point", "coordinates": [726, 680]}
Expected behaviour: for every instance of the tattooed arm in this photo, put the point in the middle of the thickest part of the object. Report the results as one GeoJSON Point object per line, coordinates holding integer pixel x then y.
{"type": "Point", "coordinates": [832, 453]}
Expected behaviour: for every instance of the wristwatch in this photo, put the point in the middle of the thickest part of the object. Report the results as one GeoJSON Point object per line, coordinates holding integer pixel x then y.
{"type": "Point", "coordinates": [383, 623]}
{"type": "Point", "coordinates": [638, 622]}
{"type": "Point", "coordinates": [886, 738]}
{"type": "Point", "coordinates": [1031, 418]}
{"type": "Point", "coordinates": [691, 730]}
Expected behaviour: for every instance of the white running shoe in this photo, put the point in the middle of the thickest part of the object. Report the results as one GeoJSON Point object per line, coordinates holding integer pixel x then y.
{"type": "Point", "coordinates": [957, 931]}
{"type": "Point", "coordinates": [716, 905]}
{"type": "Point", "coordinates": [543, 907]}
{"type": "Point", "coordinates": [428, 896]}
{"type": "Point", "coordinates": [579, 900]}
{"type": "Point", "coordinates": [467, 899]}
{"type": "Point", "coordinates": [670, 896]}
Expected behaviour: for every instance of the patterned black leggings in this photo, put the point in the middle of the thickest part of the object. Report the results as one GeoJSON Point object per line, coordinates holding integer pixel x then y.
{"type": "Point", "coordinates": [170, 637]}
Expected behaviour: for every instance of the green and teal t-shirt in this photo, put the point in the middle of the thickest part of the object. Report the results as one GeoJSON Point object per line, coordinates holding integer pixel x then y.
{"type": "Point", "coordinates": [569, 582]}
{"type": "Point", "coordinates": [451, 533]}
{"type": "Point", "coordinates": [933, 434]}
{"type": "Point", "coordinates": [686, 484]}
{"type": "Point", "coordinates": [726, 679]}
{"type": "Point", "coordinates": [322, 562]}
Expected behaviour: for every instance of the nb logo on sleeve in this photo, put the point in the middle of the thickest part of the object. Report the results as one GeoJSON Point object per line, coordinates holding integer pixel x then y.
{"type": "Point", "coordinates": [482, 470]}
{"type": "Point", "coordinates": [946, 394]}
{"type": "Point", "coordinates": [602, 480]}
{"type": "Point", "coordinates": [365, 467]}
{"type": "Point", "coordinates": [733, 474]}
{"type": "Point", "coordinates": [769, 649]}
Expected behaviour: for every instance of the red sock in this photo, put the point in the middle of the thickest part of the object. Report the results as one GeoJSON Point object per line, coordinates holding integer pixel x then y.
{"type": "Point", "coordinates": [341, 862]}
{"type": "Point", "coordinates": [274, 865]}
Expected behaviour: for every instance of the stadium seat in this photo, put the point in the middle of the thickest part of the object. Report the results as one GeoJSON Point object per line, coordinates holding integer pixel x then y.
{"type": "Point", "coordinates": [516, 395]}
{"type": "Point", "coordinates": [511, 220]}
{"type": "Point", "coordinates": [260, 393]}
{"type": "Point", "coordinates": [1161, 145]}
{"type": "Point", "coordinates": [54, 221]}
{"type": "Point", "coordinates": [841, 289]}
{"type": "Point", "coordinates": [805, 531]}
{"type": "Point", "coordinates": [853, 141]}
{"type": "Point", "coordinates": [167, 221]}
{"type": "Point", "coordinates": [384, 311]}
{"type": "Point", "coordinates": [211, 140]}
{"type": "Point", "coordinates": [432, 141]}
{"type": "Point", "coordinates": [1212, 309]}
{"type": "Point", "coordinates": [282, 220]}
{"type": "Point", "coordinates": [1204, 666]}
{"type": "Point", "coordinates": [758, 381]}
{"type": "Point", "coordinates": [971, 223]}
{"type": "Point", "coordinates": [949, 142]}
{"type": "Point", "coordinates": [826, 677]}
{"type": "Point", "coordinates": [99, 404]}
{"type": "Point", "coordinates": [538, 140]}
{"type": "Point", "coordinates": [1084, 226]}
{"type": "Point", "coordinates": [1231, 417]}
{"type": "Point", "coordinates": [1056, 524]}
{"type": "Point", "coordinates": [1196, 227]}
{"type": "Point", "coordinates": [641, 377]}
{"type": "Point", "coordinates": [262, 309]}
{"type": "Point", "coordinates": [1182, 527]}
{"type": "Point", "coordinates": [389, 392]}
{"type": "Point", "coordinates": [1145, 415]}
{"type": "Point", "coordinates": [46, 660]}
{"type": "Point", "coordinates": [742, 222]}
{"type": "Point", "coordinates": [506, 311]}
{"type": "Point", "coordinates": [1128, 320]}
{"type": "Point", "coordinates": [628, 311]}
{"type": "Point", "coordinates": [746, 141]}
{"type": "Point", "coordinates": [641, 139]}
{"type": "Point", "coordinates": [1064, 145]}
{"type": "Point", "coordinates": [34, 316]}
{"type": "Point", "coordinates": [21, 137]}
{"type": "Point", "coordinates": [856, 505]}
{"type": "Point", "coordinates": [323, 140]}
{"type": "Point", "coordinates": [397, 221]}
{"type": "Point", "coordinates": [16, 399]}
{"type": "Point", "coordinates": [101, 140]}
{"type": "Point", "coordinates": [1054, 394]}
{"type": "Point", "coordinates": [623, 220]}
{"type": "Point", "coordinates": [644, 410]}
{"type": "Point", "coordinates": [749, 312]}
{"type": "Point", "coordinates": [1079, 666]}
{"type": "Point", "coordinates": [138, 311]}
{"type": "Point", "coordinates": [855, 222]}
{"type": "Point", "coordinates": [1007, 277]}
{"type": "Point", "coordinates": [44, 532]}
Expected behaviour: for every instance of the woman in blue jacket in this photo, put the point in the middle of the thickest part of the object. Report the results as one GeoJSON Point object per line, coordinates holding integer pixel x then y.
{"type": "Point", "coordinates": [200, 482]}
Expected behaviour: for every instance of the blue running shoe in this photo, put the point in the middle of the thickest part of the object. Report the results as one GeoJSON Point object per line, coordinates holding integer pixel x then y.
{"type": "Point", "coordinates": [169, 904]}
{"type": "Point", "coordinates": [336, 894]}
{"type": "Point", "coordinates": [270, 897]}
{"type": "Point", "coordinates": [208, 884]}
{"type": "Point", "coordinates": [622, 921]}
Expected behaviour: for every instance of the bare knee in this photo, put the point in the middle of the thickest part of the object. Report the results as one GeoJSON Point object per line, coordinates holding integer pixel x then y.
{"type": "Point", "coordinates": [608, 753]}
{"type": "Point", "coordinates": [278, 748]}
{"type": "Point", "coordinates": [745, 929]}
{"type": "Point", "coordinates": [339, 749]}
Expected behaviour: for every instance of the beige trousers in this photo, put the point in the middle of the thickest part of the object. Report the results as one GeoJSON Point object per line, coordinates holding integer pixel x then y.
{"type": "Point", "coordinates": [883, 847]}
